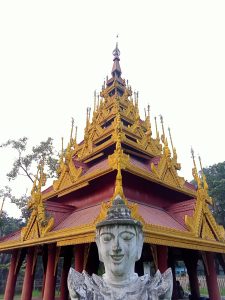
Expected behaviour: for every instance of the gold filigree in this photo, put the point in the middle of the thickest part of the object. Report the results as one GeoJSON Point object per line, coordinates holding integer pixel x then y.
{"type": "Point", "coordinates": [202, 223]}
{"type": "Point", "coordinates": [68, 172]}
{"type": "Point", "coordinates": [166, 170]}
{"type": "Point", "coordinates": [38, 224]}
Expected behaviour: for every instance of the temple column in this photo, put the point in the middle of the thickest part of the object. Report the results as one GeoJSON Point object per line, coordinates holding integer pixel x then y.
{"type": "Point", "coordinates": [211, 277]}
{"type": "Point", "coordinates": [162, 258]}
{"type": "Point", "coordinates": [191, 261]}
{"type": "Point", "coordinates": [44, 260]}
{"type": "Point", "coordinates": [172, 266]}
{"type": "Point", "coordinates": [79, 257]}
{"type": "Point", "coordinates": [64, 293]}
{"type": "Point", "coordinates": [12, 276]}
{"type": "Point", "coordinates": [50, 277]}
{"type": "Point", "coordinates": [29, 275]}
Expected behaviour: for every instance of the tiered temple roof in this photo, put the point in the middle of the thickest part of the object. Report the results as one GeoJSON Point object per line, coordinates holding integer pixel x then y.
{"type": "Point", "coordinates": [120, 154]}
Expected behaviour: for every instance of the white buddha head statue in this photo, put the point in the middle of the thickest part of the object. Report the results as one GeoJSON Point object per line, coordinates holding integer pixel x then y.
{"type": "Point", "coordinates": [119, 240]}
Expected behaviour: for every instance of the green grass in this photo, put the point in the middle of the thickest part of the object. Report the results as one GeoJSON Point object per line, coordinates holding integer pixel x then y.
{"type": "Point", "coordinates": [204, 291]}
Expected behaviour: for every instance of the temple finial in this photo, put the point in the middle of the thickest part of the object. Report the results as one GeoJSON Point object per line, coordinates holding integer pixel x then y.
{"type": "Point", "coordinates": [116, 70]}
{"type": "Point", "coordinates": [71, 133]}
{"type": "Point", "coordinates": [88, 116]}
{"type": "Point", "coordinates": [62, 147]}
{"type": "Point", "coordinates": [205, 184]}
{"type": "Point", "coordinates": [76, 134]}
{"type": "Point", "coordinates": [171, 141]}
{"type": "Point", "coordinates": [98, 104]}
{"type": "Point", "coordinates": [148, 109]}
{"type": "Point", "coordinates": [156, 129]}
{"type": "Point", "coordinates": [195, 171]}
{"type": "Point", "coordinates": [163, 134]}
{"type": "Point", "coordinates": [94, 100]}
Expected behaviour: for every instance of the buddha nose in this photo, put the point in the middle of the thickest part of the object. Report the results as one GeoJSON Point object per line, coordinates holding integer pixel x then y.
{"type": "Point", "coordinates": [116, 245]}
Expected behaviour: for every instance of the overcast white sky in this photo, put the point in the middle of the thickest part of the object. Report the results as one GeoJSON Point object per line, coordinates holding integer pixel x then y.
{"type": "Point", "coordinates": [54, 54]}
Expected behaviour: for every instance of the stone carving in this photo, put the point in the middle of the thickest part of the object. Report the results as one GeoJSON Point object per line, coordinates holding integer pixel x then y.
{"type": "Point", "coordinates": [119, 240]}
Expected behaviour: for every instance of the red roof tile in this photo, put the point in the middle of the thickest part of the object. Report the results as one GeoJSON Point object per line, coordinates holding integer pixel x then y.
{"type": "Point", "coordinates": [160, 217]}
{"type": "Point", "coordinates": [80, 217]}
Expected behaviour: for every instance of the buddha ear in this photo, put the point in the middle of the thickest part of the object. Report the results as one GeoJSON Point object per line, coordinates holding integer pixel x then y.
{"type": "Point", "coordinates": [97, 240]}
{"type": "Point", "coordinates": [140, 241]}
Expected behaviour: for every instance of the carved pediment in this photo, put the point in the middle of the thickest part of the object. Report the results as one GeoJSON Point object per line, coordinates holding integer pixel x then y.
{"type": "Point", "coordinates": [166, 172]}
{"type": "Point", "coordinates": [68, 176]}
{"type": "Point", "coordinates": [203, 224]}
{"type": "Point", "coordinates": [38, 223]}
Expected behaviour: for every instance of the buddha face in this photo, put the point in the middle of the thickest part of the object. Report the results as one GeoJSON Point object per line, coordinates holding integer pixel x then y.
{"type": "Point", "coordinates": [119, 247]}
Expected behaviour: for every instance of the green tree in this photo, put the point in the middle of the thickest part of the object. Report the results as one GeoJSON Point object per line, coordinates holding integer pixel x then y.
{"type": "Point", "coordinates": [7, 226]}
{"type": "Point", "coordinates": [25, 164]}
{"type": "Point", "coordinates": [215, 176]}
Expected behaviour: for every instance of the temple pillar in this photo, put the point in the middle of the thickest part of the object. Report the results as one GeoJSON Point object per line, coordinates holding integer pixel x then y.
{"type": "Point", "coordinates": [162, 258]}
{"type": "Point", "coordinates": [44, 260]}
{"type": "Point", "coordinates": [211, 277]}
{"type": "Point", "coordinates": [12, 276]}
{"type": "Point", "coordinates": [50, 277]}
{"type": "Point", "coordinates": [172, 266]}
{"type": "Point", "coordinates": [64, 293]}
{"type": "Point", "coordinates": [79, 257]}
{"type": "Point", "coordinates": [191, 262]}
{"type": "Point", "coordinates": [29, 275]}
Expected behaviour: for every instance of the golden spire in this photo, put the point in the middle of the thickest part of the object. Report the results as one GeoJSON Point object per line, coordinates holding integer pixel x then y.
{"type": "Point", "coordinates": [195, 171]}
{"type": "Point", "coordinates": [166, 149]}
{"type": "Point", "coordinates": [163, 134]}
{"type": "Point", "coordinates": [61, 161]}
{"type": "Point", "coordinates": [98, 105]}
{"type": "Point", "coordinates": [87, 110]}
{"type": "Point", "coordinates": [94, 100]}
{"type": "Point", "coordinates": [136, 99]}
{"type": "Point", "coordinates": [156, 128]}
{"type": "Point", "coordinates": [148, 108]}
{"type": "Point", "coordinates": [75, 134]}
{"type": "Point", "coordinates": [71, 133]}
{"type": "Point", "coordinates": [149, 130]}
{"type": "Point", "coordinates": [205, 184]}
{"type": "Point", "coordinates": [171, 141]}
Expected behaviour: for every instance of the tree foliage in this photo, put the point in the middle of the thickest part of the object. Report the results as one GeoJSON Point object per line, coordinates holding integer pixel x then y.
{"type": "Point", "coordinates": [25, 161]}
{"type": "Point", "coordinates": [215, 176]}
{"type": "Point", "coordinates": [25, 164]}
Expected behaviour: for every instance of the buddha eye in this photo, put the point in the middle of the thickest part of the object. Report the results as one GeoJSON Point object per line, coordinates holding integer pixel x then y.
{"type": "Point", "coordinates": [106, 237]}
{"type": "Point", "coordinates": [127, 235]}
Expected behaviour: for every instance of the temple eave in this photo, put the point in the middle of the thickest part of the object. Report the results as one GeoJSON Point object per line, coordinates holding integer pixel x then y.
{"type": "Point", "coordinates": [86, 234]}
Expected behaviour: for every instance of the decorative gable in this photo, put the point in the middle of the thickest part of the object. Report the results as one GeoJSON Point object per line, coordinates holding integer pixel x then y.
{"type": "Point", "coordinates": [166, 170]}
{"type": "Point", "coordinates": [38, 224]}
{"type": "Point", "coordinates": [203, 224]}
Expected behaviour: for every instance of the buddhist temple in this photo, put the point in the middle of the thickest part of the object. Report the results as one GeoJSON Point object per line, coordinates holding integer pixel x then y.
{"type": "Point", "coordinates": [120, 154]}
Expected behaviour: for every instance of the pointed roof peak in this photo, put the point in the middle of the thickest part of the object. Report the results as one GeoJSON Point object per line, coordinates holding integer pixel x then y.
{"type": "Point", "coordinates": [116, 52]}
{"type": "Point", "coordinates": [116, 70]}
